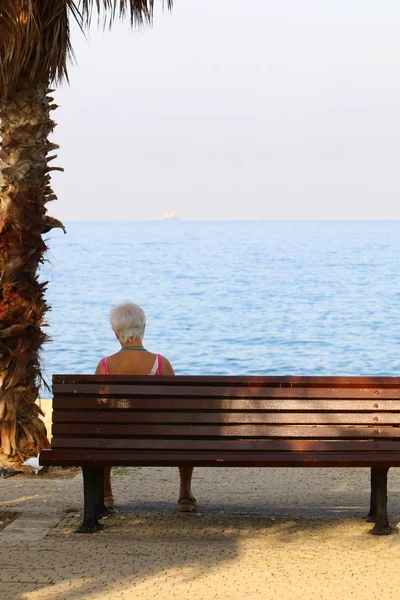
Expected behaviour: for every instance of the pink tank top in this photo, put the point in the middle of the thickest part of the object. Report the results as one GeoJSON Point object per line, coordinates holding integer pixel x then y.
{"type": "Point", "coordinates": [156, 370]}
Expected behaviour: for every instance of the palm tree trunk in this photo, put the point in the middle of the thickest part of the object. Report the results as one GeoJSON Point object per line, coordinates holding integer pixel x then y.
{"type": "Point", "coordinates": [25, 125]}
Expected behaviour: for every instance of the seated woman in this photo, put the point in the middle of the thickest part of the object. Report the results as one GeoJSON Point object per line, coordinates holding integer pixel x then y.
{"type": "Point", "coordinates": [128, 322]}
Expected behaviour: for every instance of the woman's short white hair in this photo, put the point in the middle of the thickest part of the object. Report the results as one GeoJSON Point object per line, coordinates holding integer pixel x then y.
{"type": "Point", "coordinates": [128, 321]}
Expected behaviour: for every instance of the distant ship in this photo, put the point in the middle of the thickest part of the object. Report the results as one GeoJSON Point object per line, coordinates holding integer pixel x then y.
{"type": "Point", "coordinates": [170, 215]}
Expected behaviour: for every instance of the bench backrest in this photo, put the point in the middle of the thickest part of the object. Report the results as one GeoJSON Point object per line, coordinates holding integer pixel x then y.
{"type": "Point", "coordinates": [226, 414]}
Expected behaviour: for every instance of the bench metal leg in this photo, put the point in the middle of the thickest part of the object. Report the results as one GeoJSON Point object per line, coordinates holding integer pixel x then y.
{"type": "Point", "coordinates": [101, 510]}
{"type": "Point", "coordinates": [91, 478]}
{"type": "Point", "coordinates": [379, 480]}
{"type": "Point", "coordinates": [371, 517]}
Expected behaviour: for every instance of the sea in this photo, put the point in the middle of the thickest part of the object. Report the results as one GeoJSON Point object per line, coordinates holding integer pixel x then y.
{"type": "Point", "coordinates": [229, 297]}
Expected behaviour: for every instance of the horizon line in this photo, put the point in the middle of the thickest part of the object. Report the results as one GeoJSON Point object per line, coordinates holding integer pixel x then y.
{"type": "Point", "coordinates": [183, 220]}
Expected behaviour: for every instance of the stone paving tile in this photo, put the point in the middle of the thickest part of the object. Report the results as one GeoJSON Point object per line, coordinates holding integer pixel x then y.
{"type": "Point", "coordinates": [278, 534]}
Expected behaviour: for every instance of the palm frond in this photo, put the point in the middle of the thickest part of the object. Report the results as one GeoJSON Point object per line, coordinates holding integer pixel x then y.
{"type": "Point", "coordinates": [35, 34]}
{"type": "Point", "coordinates": [139, 11]}
{"type": "Point", "coordinates": [34, 41]}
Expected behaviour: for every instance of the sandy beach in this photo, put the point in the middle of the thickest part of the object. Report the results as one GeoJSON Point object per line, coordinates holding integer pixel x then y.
{"type": "Point", "coordinates": [46, 404]}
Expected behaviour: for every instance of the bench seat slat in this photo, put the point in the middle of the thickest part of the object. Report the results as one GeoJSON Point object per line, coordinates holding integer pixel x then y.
{"type": "Point", "coordinates": [215, 459]}
{"type": "Point", "coordinates": [226, 417]}
{"type": "Point", "coordinates": [299, 431]}
{"type": "Point", "coordinates": [239, 380]}
{"type": "Point", "coordinates": [120, 389]}
{"type": "Point", "coordinates": [250, 404]}
{"type": "Point", "coordinates": [228, 445]}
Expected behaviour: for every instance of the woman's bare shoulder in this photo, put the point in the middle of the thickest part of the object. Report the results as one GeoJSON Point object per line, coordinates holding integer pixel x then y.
{"type": "Point", "coordinates": [99, 369]}
{"type": "Point", "coordinates": [167, 368]}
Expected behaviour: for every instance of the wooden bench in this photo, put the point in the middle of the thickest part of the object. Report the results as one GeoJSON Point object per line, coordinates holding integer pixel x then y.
{"type": "Point", "coordinates": [206, 421]}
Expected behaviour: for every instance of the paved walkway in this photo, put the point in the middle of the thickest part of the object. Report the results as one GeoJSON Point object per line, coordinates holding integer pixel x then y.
{"type": "Point", "coordinates": [260, 534]}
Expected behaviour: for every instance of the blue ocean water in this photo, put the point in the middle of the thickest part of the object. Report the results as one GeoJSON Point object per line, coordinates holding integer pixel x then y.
{"type": "Point", "coordinates": [250, 297]}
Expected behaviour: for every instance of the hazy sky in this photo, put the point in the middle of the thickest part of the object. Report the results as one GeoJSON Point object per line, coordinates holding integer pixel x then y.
{"type": "Point", "coordinates": [235, 110]}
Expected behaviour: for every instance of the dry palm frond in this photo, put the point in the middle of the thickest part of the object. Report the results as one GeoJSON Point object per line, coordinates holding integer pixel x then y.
{"type": "Point", "coordinates": [35, 34]}
{"type": "Point", "coordinates": [35, 40]}
{"type": "Point", "coordinates": [139, 11]}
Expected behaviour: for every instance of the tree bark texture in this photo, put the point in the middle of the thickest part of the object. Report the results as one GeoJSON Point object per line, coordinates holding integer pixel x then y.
{"type": "Point", "coordinates": [25, 125]}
